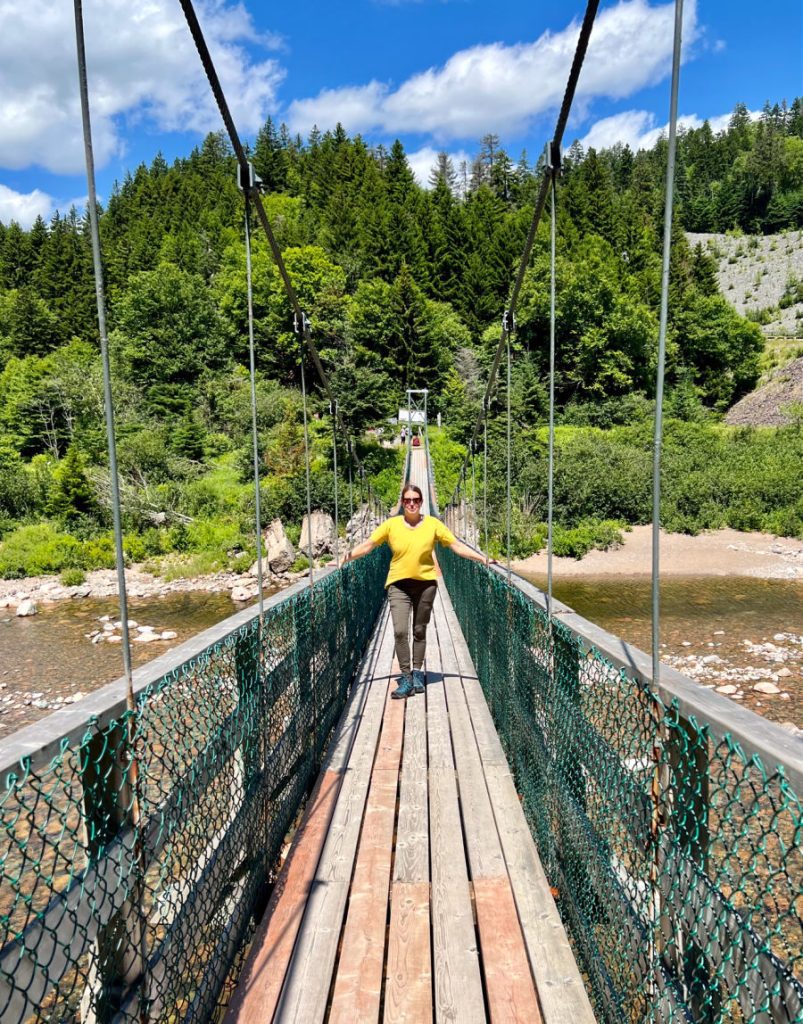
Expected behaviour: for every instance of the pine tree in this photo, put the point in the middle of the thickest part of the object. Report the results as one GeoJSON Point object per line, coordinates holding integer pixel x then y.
{"type": "Point", "coordinates": [443, 171]}
{"type": "Point", "coordinates": [72, 497]}
{"type": "Point", "coordinates": [16, 258]}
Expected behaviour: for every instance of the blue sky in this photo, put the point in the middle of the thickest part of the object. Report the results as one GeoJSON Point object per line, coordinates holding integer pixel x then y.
{"type": "Point", "coordinates": [436, 73]}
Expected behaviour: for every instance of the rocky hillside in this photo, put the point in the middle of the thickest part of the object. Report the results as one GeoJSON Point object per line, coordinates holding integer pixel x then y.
{"type": "Point", "coordinates": [762, 276]}
{"type": "Point", "coordinates": [775, 403]}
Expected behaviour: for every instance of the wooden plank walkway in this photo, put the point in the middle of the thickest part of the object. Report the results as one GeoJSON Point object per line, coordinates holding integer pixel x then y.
{"type": "Point", "coordinates": [413, 891]}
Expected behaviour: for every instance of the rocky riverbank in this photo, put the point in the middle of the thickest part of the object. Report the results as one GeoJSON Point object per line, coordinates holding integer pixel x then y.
{"type": "Point", "coordinates": [24, 596]}
{"type": "Point", "coordinates": [36, 590]}
{"type": "Point", "coordinates": [718, 553]}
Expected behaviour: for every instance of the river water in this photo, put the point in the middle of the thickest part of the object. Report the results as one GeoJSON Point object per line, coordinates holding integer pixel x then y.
{"type": "Point", "coordinates": [48, 657]}
{"type": "Point", "coordinates": [730, 617]}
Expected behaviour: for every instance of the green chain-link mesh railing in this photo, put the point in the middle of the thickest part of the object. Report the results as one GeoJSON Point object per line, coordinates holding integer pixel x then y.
{"type": "Point", "coordinates": [676, 857]}
{"type": "Point", "coordinates": [129, 898]}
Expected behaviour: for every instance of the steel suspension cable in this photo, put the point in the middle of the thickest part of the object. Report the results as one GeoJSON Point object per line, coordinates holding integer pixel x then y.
{"type": "Point", "coordinates": [242, 160]}
{"type": "Point", "coordinates": [131, 770]}
{"type": "Point", "coordinates": [557, 138]}
{"type": "Point", "coordinates": [351, 498]}
{"type": "Point", "coordinates": [254, 433]}
{"type": "Point", "coordinates": [474, 531]}
{"type": "Point", "coordinates": [659, 386]}
{"type": "Point", "coordinates": [485, 482]}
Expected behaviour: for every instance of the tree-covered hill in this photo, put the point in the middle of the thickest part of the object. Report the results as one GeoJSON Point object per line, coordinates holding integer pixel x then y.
{"type": "Point", "coordinates": [405, 286]}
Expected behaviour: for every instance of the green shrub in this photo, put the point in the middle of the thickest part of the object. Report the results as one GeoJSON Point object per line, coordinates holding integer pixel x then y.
{"type": "Point", "coordinates": [73, 577]}
{"type": "Point", "coordinates": [38, 550]}
{"type": "Point", "coordinates": [148, 544]}
{"type": "Point", "coordinates": [301, 563]}
{"type": "Point", "coordinates": [99, 553]}
{"type": "Point", "coordinates": [586, 536]}
{"type": "Point", "coordinates": [219, 536]}
{"type": "Point", "coordinates": [243, 561]}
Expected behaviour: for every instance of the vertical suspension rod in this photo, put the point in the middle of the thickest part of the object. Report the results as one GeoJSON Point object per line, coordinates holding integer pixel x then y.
{"type": "Point", "coordinates": [659, 386]}
{"type": "Point", "coordinates": [509, 451]}
{"type": "Point", "coordinates": [254, 433]}
{"type": "Point", "coordinates": [551, 467]}
{"type": "Point", "coordinates": [132, 768]}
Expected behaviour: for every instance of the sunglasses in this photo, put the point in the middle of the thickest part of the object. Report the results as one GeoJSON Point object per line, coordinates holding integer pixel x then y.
{"type": "Point", "coordinates": [411, 501]}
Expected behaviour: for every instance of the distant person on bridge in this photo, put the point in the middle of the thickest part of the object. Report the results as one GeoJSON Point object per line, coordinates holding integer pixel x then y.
{"type": "Point", "coordinates": [412, 581]}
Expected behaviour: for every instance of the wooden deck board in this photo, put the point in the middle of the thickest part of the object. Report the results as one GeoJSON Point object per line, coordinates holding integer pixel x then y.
{"type": "Point", "coordinates": [408, 987]}
{"type": "Point", "coordinates": [412, 842]}
{"type": "Point", "coordinates": [458, 982]}
{"type": "Point", "coordinates": [306, 990]}
{"type": "Point", "coordinates": [264, 972]}
{"type": "Point", "coordinates": [358, 985]}
{"type": "Point", "coordinates": [362, 929]}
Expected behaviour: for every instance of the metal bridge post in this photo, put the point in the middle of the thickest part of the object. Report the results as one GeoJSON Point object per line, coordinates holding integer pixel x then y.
{"type": "Point", "coordinates": [117, 959]}
{"type": "Point", "coordinates": [687, 806]}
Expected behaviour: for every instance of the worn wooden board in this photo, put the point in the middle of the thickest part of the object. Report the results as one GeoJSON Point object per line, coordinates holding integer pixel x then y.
{"type": "Point", "coordinates": [412, 843]}
{"type": "Point", "coordinates": [561, 991]}
{"type": "Point", "coordinates": [456, 967]}
{"type": "Point", "coordinates": [408, 984]}
{"type": "Point", "coordinates": [262, 977]}
{"type": "Point", "coordinates": [482, 842]}
{"type": "Point", "coordinates": [508, 979]}
{"type": "Point", "coordinates": [488, 741]}
{"type": "Point", "coordinates": [308, 981]}
{"type": "Point", "coordinates": [358, 984]}
{"type": "Point", "coordinates": [373, 665]}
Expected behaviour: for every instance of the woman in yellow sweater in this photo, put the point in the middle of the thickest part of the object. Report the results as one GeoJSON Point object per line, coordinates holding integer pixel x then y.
{"type": "Point", "coordinates": [412, 579]}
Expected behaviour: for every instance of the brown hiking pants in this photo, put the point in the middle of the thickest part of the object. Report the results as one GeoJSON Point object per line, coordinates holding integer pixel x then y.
{"type": "Point", "coordinates": [418, 597]}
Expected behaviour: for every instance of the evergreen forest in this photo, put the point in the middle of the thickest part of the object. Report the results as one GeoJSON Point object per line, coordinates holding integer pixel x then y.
{"type": "Point", "coordinates": [405, 287]}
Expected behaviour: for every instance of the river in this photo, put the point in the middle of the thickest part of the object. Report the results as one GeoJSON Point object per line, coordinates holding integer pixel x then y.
{"type": "Point", "coordinates": [48, 658]}
{"type": "Point", "coordinates": [731, 617]}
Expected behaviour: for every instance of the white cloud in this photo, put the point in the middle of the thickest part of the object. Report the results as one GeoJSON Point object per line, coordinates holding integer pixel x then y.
{"type": "Point", "coordinates": [502, 88]}
{"type": "Point", "coordinates": [637, 129]}
{"type": "Point", "coordinates": [423, 160]}
{"type": "Point", "coordinates": [24, 207]}
{"type": "Point", "coordinates": [143, 66]}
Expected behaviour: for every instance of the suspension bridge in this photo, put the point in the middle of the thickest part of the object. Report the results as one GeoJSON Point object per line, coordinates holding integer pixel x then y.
{"type": "Point", "coordinates": [558, 829]}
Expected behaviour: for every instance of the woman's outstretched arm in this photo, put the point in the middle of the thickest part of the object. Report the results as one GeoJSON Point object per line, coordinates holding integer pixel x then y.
{"type": "Point", "coordinates": [466, 552]}
{"type": "Point", "coordinates": [365, 548]}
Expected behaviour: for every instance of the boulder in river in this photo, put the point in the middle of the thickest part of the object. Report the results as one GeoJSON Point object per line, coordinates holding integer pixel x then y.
{"type": "Point", "coordinates": [27, 607]}
{"type": "Point", "coordinates": [280, 554]}
{"type": "Point", "coordinates": [321, 527]}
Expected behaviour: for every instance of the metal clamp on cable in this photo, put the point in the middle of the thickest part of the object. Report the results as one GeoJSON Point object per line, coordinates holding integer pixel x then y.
{"type": "Point", "coordinates": [247, 179]}
{"type": "Point", "coordinates": [508, 322]}
{"type": "Point", "coordinates": [552, 158]}
{"type": "Point", "coordinates": [303, 327]}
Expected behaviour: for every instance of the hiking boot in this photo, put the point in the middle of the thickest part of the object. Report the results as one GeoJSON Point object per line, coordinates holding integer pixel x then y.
{"type": "Point", "coordinates": [419, 680]}
{"type": "Point", "coordinates": [404, 689]}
